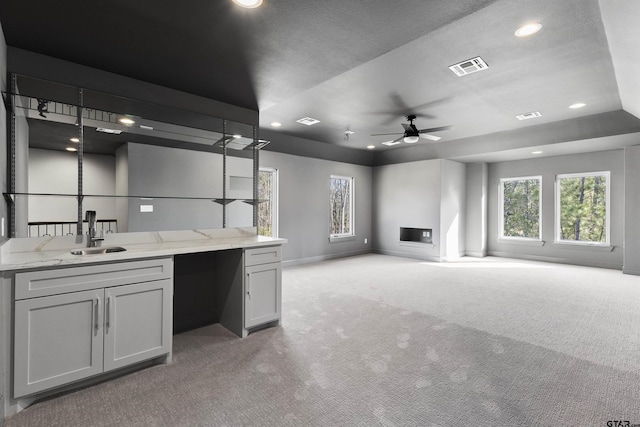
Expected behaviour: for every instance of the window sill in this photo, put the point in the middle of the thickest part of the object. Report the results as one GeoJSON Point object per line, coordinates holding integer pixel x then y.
{"type": "Point", "coordinates": [585, 246]}
{"type": "Point", "coordinates": [526, 242]}
{"type": "Point", "coordinates": [338, 239]}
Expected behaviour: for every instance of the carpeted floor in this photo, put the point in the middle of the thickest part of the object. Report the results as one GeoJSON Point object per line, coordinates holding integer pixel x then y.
{"type": "Point", "coordinates": [384, 341]}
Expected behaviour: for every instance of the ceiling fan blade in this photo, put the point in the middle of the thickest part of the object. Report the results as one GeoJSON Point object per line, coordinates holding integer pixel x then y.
{"type": "Point", "coordinates": [381, 134]}
{"type": "Point", "coordinates": [429, 137]}
{"type": "Point", "coordinates": [435, 129]}
{"type": "Point", "coordinates": [407, 127]}
{"type": "Point", "coordinates": [394, 142]}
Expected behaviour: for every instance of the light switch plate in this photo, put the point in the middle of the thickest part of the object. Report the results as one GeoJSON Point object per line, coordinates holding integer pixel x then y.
{"type": "Point", "coordinates": [146, 208]}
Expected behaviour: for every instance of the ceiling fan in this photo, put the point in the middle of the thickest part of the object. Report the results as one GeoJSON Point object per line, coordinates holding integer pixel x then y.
{"type": "Point", "coordinates": [412, 134]}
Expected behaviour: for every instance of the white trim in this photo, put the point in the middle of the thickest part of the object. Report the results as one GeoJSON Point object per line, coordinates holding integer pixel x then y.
{"type": "Point", "coordinates": [572, 244]}
{"type": "Point", "coordinates": [336, 238]}
{"type": "Point", "coordinates": [558, 260]}
{"type": "Point", "coordinates": [521, 241]}
{"type": "Point", "coordinates": [501, 235]}
{"type": "Point", "coordinates": [583, 243]}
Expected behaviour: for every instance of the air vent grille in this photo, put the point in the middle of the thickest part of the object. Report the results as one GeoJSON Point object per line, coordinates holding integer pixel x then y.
{"type": "Point", "coordinates": [531, 115]}
{"type": "Point", "coordinates": [308, 121]}
{"type": "Point", "coordinates": [469, 66]}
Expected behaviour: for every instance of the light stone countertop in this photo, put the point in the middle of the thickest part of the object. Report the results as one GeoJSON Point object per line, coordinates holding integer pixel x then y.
{"type": "Point", "coordinates": [33, 253]}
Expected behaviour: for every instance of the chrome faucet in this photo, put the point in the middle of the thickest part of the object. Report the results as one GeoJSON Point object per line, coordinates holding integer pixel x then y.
{"type": "Point", "coordinates": [92, 240]}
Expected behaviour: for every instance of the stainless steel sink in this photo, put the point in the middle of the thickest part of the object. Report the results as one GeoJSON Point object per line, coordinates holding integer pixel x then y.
{"type": "Point", "coordinates": [95, 251]}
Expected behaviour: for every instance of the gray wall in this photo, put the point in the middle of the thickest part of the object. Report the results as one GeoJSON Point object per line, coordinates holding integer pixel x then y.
{"type": "Point", "coordinates": [452, 209]}
{"type": "Point", "coordinates": [476, 209]}
{"type": "Point", "coordinates": [423, 194]}
{"type": "Point", "coordinates": [172, 172]}
{"type": "Point", "coordinates": [57, 172]}
{"type": "Point", "coordinates": [631, 209]}
{"type": "Point", "coordinates": [304, 206]}
{"type": "Point", "coordinates": [549, 167]}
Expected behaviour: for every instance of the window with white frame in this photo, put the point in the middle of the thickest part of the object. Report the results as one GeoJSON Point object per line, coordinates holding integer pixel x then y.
{"type": "Point", "coordinates": [341, 204]}
{"type": "Point", "coordinates": [520, 208]}
{"type": "Point", "coordinates": [268, 206]}
{"type": "Point", "coordinates": [582, 208]}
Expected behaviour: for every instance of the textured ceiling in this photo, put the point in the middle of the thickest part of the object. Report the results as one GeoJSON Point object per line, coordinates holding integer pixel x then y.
{"type": "Point", "coordinates": [360, 66]}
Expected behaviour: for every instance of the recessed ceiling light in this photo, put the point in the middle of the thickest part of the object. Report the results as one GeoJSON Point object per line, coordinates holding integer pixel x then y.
{"type": "Point", "coordinates": [577, 105]}
{"type": "Point", "coordinates": [536, 152]}
{"type": "Point", "coordinates": [75, 140]}
{"type": "Point", "coordinates": [249, 4]}
{"type": "Point", "coordinates": [276, 124]}
{"type": "Point", "coordinates": [528, 29]}
{"type": "Point", "coordinates": [126, 121]}
{"type": "Point", "coordinates": [71, 149]}
{"type": "Point", "coordinates": [371, 147]}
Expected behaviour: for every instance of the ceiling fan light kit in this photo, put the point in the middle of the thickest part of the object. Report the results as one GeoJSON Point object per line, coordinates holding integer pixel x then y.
{"type": "Point", "coordinates": [411, 139]}
{"type": "Point", "coordinates": [412, 134]}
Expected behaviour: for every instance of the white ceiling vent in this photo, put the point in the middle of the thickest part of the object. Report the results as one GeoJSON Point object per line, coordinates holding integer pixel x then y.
{"type": "Point", "coordinates": [469, 66]}
{"type": "Point", "coordinates": [526, 116]}
{"type": "Point", "coordinates": [308, 121]}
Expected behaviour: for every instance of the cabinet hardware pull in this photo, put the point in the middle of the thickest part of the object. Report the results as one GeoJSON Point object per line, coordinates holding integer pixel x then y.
{"type": "Point", "coordinates": [108, 314]}
{"type": "Point", "coordinates": [249, 285]}
{"type": "Point", "coordinates": [97, 315]}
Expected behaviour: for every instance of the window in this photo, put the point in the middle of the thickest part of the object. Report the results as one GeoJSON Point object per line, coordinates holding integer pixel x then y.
{"type": "Point", "coordinates": [520, 208]}
{"type": "Point", "coordinates": [268, 206]}
{"type": "Point", "coordinates": [341, 199]}
{"type": "Point", "coordinates": [582, 208]}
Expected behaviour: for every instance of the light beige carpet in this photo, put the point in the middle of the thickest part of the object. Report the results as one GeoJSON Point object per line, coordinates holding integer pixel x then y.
{"type": "Point", "coordinates": [375, 340]}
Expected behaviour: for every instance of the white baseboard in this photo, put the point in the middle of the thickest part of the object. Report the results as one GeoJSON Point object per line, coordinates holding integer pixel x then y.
{"type": "Point", "coordinates": [320, 258]}
{"type": "Point", "coordinates": [633, 271]}
{"type": "Point", "coordinates": [407, 255]}
{"type": "Point", "coordinates": [476, 254]}
{"type": "Point", "coordinates": [556, 260]}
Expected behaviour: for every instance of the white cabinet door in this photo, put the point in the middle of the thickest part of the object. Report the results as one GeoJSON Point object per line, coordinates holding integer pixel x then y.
{"type": "Point", "coordinates": [58, 339]}
{"type": "Point", "coordinates": [262, 294]}
{"type": "Point", "coordinates": [137, 323]}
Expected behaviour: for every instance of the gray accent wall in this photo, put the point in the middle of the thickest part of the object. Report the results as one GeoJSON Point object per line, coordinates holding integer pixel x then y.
{"type": "Point", "coordinates": [548, 168]}
{"type": "Point", "coordinates": [428, 194]}
{"type": "Point", "coordinates": [304, 207]}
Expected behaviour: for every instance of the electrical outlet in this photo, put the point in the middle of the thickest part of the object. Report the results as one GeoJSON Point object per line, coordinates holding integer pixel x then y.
{"type": "Point", "coordinates": [365, 241]}
{"type": "Point", "coordinates": [2, 227]}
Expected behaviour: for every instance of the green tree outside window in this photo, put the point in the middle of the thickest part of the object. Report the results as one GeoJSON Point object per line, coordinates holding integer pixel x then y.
{"type": "Point", "coordinates": [583, 208]}
{"type": "Point", "coordinates": [520, 199]}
